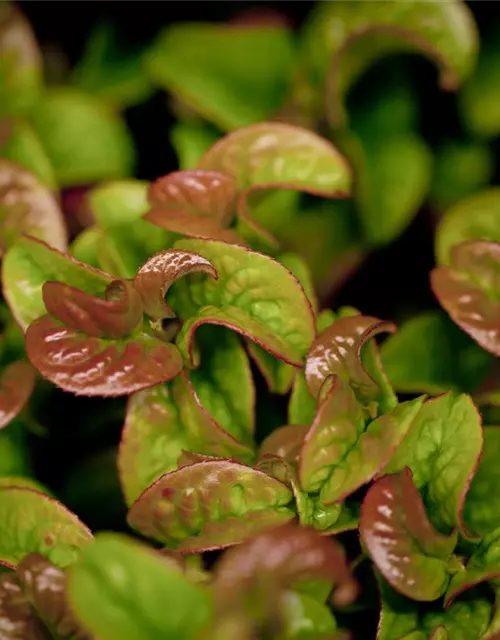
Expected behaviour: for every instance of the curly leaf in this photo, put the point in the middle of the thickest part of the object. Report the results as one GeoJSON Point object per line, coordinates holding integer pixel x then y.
{"type": "Point", "coordinates": [343, 39]}
{"type": "Point", "coordinates": [341, 452]}
{"type": "Point", "coordinates": [156, 276]}
{"type": "Point", "coordinates": [29, 264]}
{"type": "Point", "coordinates": [32, 522]}
{"type": "Point", "coordinates": [95, 366]}
{"type": "Point", "coordinates": [283, 557]}
{"type": "Point", "coordinates": [273, 155]}
{"type": "Point", "coordinates": [468, 291]}
{"type": "Point", "coordinates": [18, 621]}
{"type": "Point", "coordinates": [16, 385]}
{"type": "Point", "coordinates": [20, 62]}
{"type": "Point", "coordinates": [254, 295]}
{"type": "Point", "coordinates": [209, 505]}
{"type": "Point", "coordinates": [27, 206]}
{"type": "Point", "coordinates": [118, 202]}
{"type": "Point", "coordinates": [481, 513]}
{"type": "Point", "coordinates": [85, 141]}
{"type": "Point", "coordinates": [117, 589]}
{"type": "Point", "coordinates": [442, 450]}
{"type": "Point", "coordinates": [231, 76]}
{"type": "Point", "coordinates": [473, 218]}
{"type": "Point", "coordinates": [430, 354]}
{"type": "Point", "coordinates": [409, 553]}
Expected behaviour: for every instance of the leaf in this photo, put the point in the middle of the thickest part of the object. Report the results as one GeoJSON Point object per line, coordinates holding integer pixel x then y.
{"type": "Point", "coordinates": [20, 144]}
{"type": "Point", "coordinates": [26, 206]}
{"type": "Point", "coordinates": [442, 450]}
{"type": "Point", "coordinates": [118, 202]}
{"type": "Point", "coordinates": [231, 76]}
{"type": "Point", "coordinates": [305, 617]}
{"type": "Point", "coordinates": [409, 553]}
{"type": "Point", "coordinates": [209, 505]}
{"type": "Point", "coordinates": [20, 62]}
{"type": "Point", "coordinates": [85, 141]}
{"type": "Point", "coordinates": [467, 290]}
{"type": "Point", "coordinates": [337, 352]}
{"type": "Point", "coordinates": [29, 264]}
{"type": "Point", "coordinates": [16, 385]}
{"type": "Point", "coordinates": [118, 587]}
{"type": "Point", "coordinates": [15, 459]}
{"type": "Point", "coordinates": [342, 40]}
{"type": "Point", "coordinates": [461, 169]}
{"type": "Point", "coordinates": [473, 218]}
{"type": "Point", "coordinates": [16, 615]}
{"type": "Point", "coordinates": [341, 452]}
{"type": "Point", "coordinates": [430, 354]}
{"type": "Point", "coordinates": [223, 382]}
{"type": "Point", "coordinates": [111, 72]}
{"type": "Point", "coordinates": [254, 295]}
{"type": "Point", "coordinates": [285, 442]}
{"type": "Point", "coordinates": [190, 141]}
{"type": "Point", "coordinates": [84, 247]}
{"type": "Point", "coordinates": [481, 513]}
{"type": "Point", "coordinates": [156, 276]}
{"type": "Point", "coordinates": [31, 522]}
{"type": "Point", "coordinates": [274, 155]}
{"type": "Point", "coordinates": [483, 566]}
{"type": "Point", "coordinates": [94, 366]}
{"type": "Point", "coordinates": [281, 558]}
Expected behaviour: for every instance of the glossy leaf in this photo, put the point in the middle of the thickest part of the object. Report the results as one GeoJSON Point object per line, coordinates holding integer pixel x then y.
{"type": "Point", "coordinates": [156, 276]}
{"type": "Point", "coordinates": [118, 202]}
{"type": "Point", "coordinates": [481, 513]}
{"type": "Point", "coordinates": [111, 72]}
{"type": "Point", "coordinates": [20, 62]}
{"type": "Point", "coordinates": [341, 452]}
{"type": "Point", "coordinates": [285, 442]}
{"type": "Point", "coordinates": [95, 366]}
{"type": "Point", "coordinates": [254, 295]}
{"type": "Point", "coordinates": [99, 592]}
{"type": "Point", "coordinates": [31, 263]}
{"type": "Point", "coordinates": [274, 155]}
{"type": "Point", "coordinates": [468, 291]}
{"type": "Point", "coordinates": [16, 385]}
{"type": "Point", "coordinates": [409, 553]}
{"type": "Point", "coordinates": [442, 450]}
{"type": "Point", "coordinates": [282, 557]}
{"type": "Point", "coordinates": [31, 522]}
{"type": "Point", "coordinates": [304, 617]}
{"type": "Point", "coordinates": [210, 505]}
{"type": "Point", "coordinates": [84, 140]}
{"type": "Point", "coordinates": [190, 141]}
{"type": "Point", "coordinates": [26, 206]}
{"type": "Point", "coordinates": [430, 354]}
{"type": "Point", "coordinates": [17, 619]}
{"type": "Point", "coordinates": [231, 76]}
{"type": "Point", "coordinates": [342, 40]}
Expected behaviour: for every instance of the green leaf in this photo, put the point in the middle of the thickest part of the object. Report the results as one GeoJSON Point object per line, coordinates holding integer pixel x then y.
{"type": "Point", "coordinates": [118, 589]}
{"type": "Point", "coordinates": [430, 354]}
{"type": "Point", "coordinates": [21, 145]}
{"type": "Point", "coordinates": [27, 206]}
{"type": "Point", "coordinates": [85, 247]}
{"type": "Point", "coordinates": [254, 295]}
{"type": "Point", "coordinates": [305, 617]}
{"type": "Point", "coordinates": [110, 71]}
{"type": "Point", "coordinates": [190, 141]}
{"type": "Point", "coordinates": [31, 263]}
{"type": "Point", "coordinates": [341, 452]}
{"type": "Point", "coordinates": [20, 62]}
{"type": "Point", "coordinates": [231, 76]}
{"type": "Point", "coordinates": [223, 382]}
{"type": "Point", "coordinates": [461, 168]}
{"type": "Point", "coordinates": [210, 504]}
{"type": "Point", "coordinates": [343, 39]}
{"type": "Point", "coordinates": [393, 181]}
{"type": "Point", "coordinates": [442, 449]}
{"type": "Point", "coordinates": [84, 140]}
{"type": "Point", "coordinates": [118, 202]}
{"type": "Point", "coordinates": [483, 566]}
{"type": "Point", "coordinates": [32, 522]}
{"type": "Point", "coordinates": [481, 513]}
{"type": "Point", "coordinates": [401, 541]}
{"type": "Point", "coordinates": [22, 482]}
{"type": "Point", "coordinates": [468, 290]}
{"type": "Point", "coordinates": [15, 457]}
{"type": "Point", "coordinates": [473, 218]}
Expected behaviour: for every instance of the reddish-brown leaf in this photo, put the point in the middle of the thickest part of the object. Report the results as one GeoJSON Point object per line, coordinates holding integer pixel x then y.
{"type": "Point", "coordinates": [285, 442]}
{"type": "Point", "coordinates": [16, 384]}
